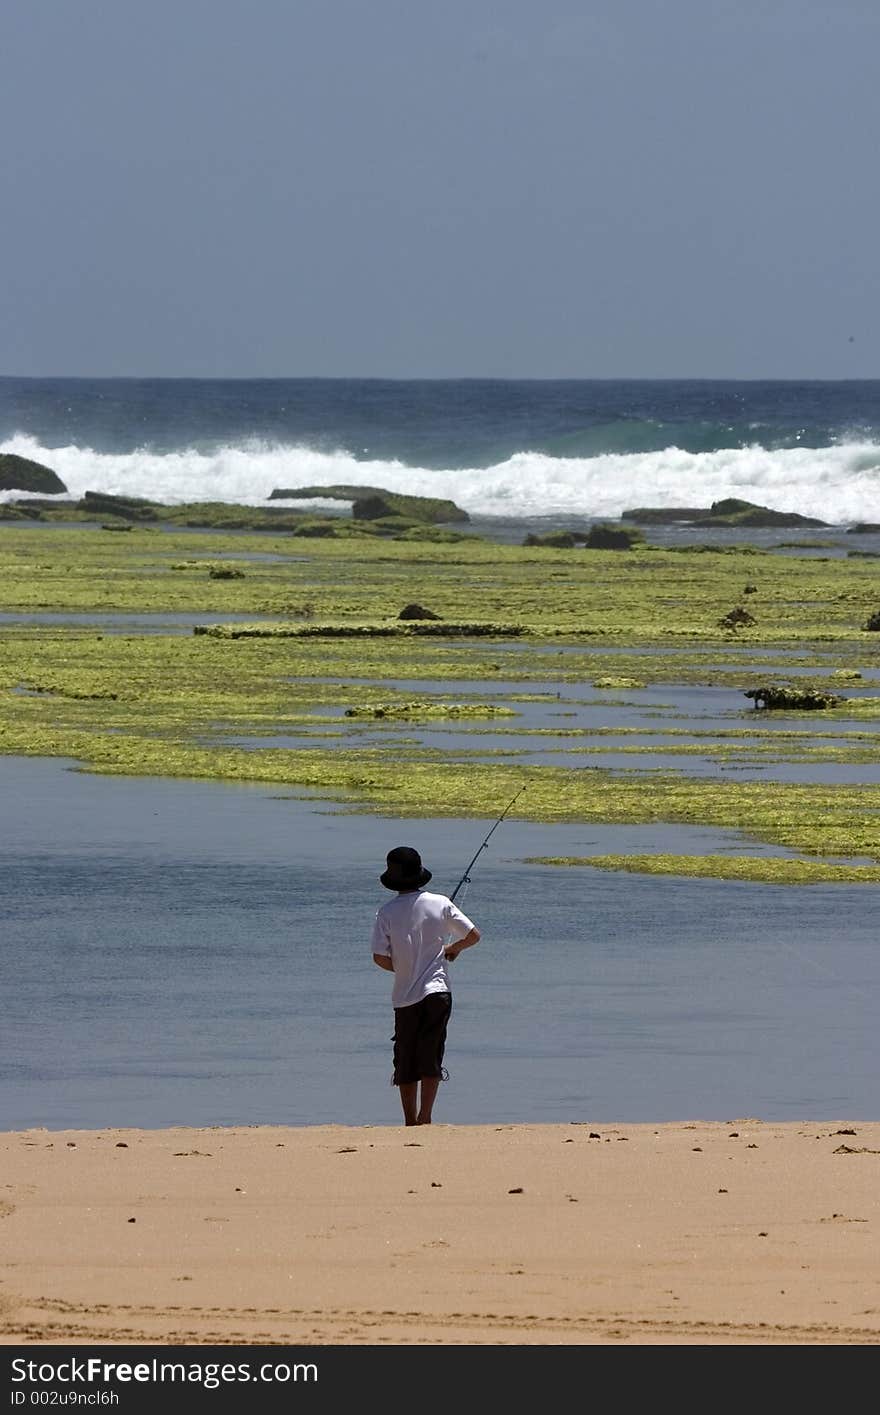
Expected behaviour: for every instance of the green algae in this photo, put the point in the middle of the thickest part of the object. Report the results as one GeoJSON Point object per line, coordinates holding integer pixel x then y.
{"type": "Point", "coordinates": [396, 628]}
{"type": "Point", "coordinates": [793, 697]}
{"type": "Point", "coordinates": [818, 819]}
{"type": "Point", "coordinates": [226, 572]}
{"type": "Point", "coordinates": [417, 711]}
{"type": "Point", "coordinates": [647, 597]}
{"type": "Point", "coordinates": [863, 707]}
{"type": "Point", "coordinates": [758, 869]}
{"type": "Point", "coordinates": [157, 704]}
{"type": "Point", "coordinates": [373, 502]}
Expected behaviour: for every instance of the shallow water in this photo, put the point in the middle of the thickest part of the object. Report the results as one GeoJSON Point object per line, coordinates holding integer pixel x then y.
{"type": "Point", "coordinates": [712, 706]}
{"type": "Point", "coordinates": [564, 752]}
{"type": "Point", "coordinates": [638, 715]}
{"type": "Point", "coordinates": [123, 622]}
{"type": "Point", "coordinates": [198, 953]}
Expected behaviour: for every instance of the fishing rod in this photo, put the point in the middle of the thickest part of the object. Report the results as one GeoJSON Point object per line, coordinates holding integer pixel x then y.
{"type": "Point", "coordinates": [466, 877]}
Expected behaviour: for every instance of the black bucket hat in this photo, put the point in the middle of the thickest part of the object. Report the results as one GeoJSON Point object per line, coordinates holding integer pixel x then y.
{"type": "Point", "coordinates": [405, 869]}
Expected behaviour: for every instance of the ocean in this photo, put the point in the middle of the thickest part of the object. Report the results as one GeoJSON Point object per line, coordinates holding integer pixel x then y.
{"type": "Point", "coordinates": [523, 452]}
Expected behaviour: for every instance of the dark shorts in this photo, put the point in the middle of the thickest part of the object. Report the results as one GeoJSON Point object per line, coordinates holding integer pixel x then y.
{"type": "Point", "coordinates": [420, 1038]}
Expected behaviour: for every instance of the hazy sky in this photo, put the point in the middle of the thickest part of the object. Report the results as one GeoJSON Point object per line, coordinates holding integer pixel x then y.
{"type": "Point", "coordinates": [511, 188]}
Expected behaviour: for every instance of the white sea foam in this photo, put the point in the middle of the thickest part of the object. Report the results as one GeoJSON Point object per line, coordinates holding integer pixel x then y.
{"type": "Point", "coordinates": [839, 484]}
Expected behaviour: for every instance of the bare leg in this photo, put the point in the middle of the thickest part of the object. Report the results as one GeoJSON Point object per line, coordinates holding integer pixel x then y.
{"type": "Point", "coordinates": [408, 1099]}
{"type": "Point", "coordinates": [430, 1086]}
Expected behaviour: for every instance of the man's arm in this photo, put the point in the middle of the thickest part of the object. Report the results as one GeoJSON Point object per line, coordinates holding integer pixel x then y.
{"type": "Point", "coordinates": [452, 950]}
{"type": "Point", "coordinates": [383, 961]}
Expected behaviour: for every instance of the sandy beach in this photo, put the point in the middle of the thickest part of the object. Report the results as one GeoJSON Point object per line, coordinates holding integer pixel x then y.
{"type": "Point", "coordinates": [703, 1233]}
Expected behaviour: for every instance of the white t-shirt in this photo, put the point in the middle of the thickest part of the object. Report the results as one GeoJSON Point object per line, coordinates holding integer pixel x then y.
{"type": "Point", "coordinates": [412, 930]}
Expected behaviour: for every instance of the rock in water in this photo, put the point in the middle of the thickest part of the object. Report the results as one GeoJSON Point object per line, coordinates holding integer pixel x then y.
{"type": "Point", "coordinates": [561, 540]}
{"type": "Point", "coordinates": [127, 508]}
{"type": "Point", "coordinates": [605, 537]}
{"type": "Point", "coordinates": [734, 512]}
{"type": "Point", "coordinates": [731, 511]}
{"type": "Point", "coordinates": [417, 611]}
{"type": "Point", "coordinates": [21, 474]}
{"type": "Point", "coordinates": [737, 618]}
{"type": "Point", "coordinates": [804, 699]}
{"type": "Point", "coordinates": [663, 515]}
{"type": "Point", "coordinates": [370, 503]}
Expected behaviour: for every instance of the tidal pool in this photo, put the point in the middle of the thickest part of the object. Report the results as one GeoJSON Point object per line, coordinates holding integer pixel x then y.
{"type": "Point", "coordinates": [123, 622]}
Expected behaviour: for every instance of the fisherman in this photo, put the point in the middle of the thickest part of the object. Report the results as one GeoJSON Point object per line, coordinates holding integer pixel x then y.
{"type": "Point", "coordinates": [415, 936]}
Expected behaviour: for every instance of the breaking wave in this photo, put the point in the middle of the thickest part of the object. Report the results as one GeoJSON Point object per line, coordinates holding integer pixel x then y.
{"type": "Point", "coordinates": [839, 484]}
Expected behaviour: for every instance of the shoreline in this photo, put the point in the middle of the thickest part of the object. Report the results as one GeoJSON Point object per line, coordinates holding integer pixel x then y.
{"type": "Point", "coordinates": [722, 1232]}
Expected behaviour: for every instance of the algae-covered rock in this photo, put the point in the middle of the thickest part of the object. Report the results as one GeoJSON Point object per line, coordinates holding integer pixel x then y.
{"type": "Point", "coordinates": [559, 540]}
{"type": "Point", "coordinates": [663, 515]}
{"type": "Point", "coordinates": [226, 516]}
{"type": "Point", "coordinates": [390, 525]}
{"type": "Point", "coordinates": [19, 513]}
{"type": "Point", "coordinates": [127, 508]}
{"type": "Point", "coordinates": [378, 508]}
{"type": "Point", "coordinates": [316, 528]}
{"type": "Point", "coordinates": [436, 535]}
{"type": "Point", "coordinates": [733, 506]}
{"type": "Point", "coordinates": [734, 512]}
{"type": "Point", "coordinates": [800, 698]}
{"type": "Point", "coordinates": [21, 474]}
{"type": "Point", "coordinates": [730, 511]}
{"type": "Point", "coordinates": [393, 629]}
{"type": "Point", "coordinates": [417, 611]}
{"type": "Point", "coordinates": [47, 503]}
{"type": "Point", "coordinates": [606, 537]}
{"type": "Point", "coordinates": [370, 508]}
{"type": "Point", "coordinates": [414, 711]}
{"type": "Point", "coordinates": [737, 618]}
{"type": "Point", "coordinates": [370, 503]}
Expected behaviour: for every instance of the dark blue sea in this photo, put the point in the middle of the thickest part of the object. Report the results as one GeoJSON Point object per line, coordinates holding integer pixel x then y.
{"type": "Point", "coordinates": [503, 450]}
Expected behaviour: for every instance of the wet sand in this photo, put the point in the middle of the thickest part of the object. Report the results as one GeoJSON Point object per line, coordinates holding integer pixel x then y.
{"type": "Point", "coordinates": [732, 1232]}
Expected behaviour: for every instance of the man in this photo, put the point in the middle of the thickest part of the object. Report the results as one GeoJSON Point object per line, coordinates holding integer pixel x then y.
{"type": "Point", "coordinates": [414, 937]}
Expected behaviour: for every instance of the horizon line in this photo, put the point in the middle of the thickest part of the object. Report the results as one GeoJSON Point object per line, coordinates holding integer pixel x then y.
{"type": "Point", "coordinates": [428, 378]}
